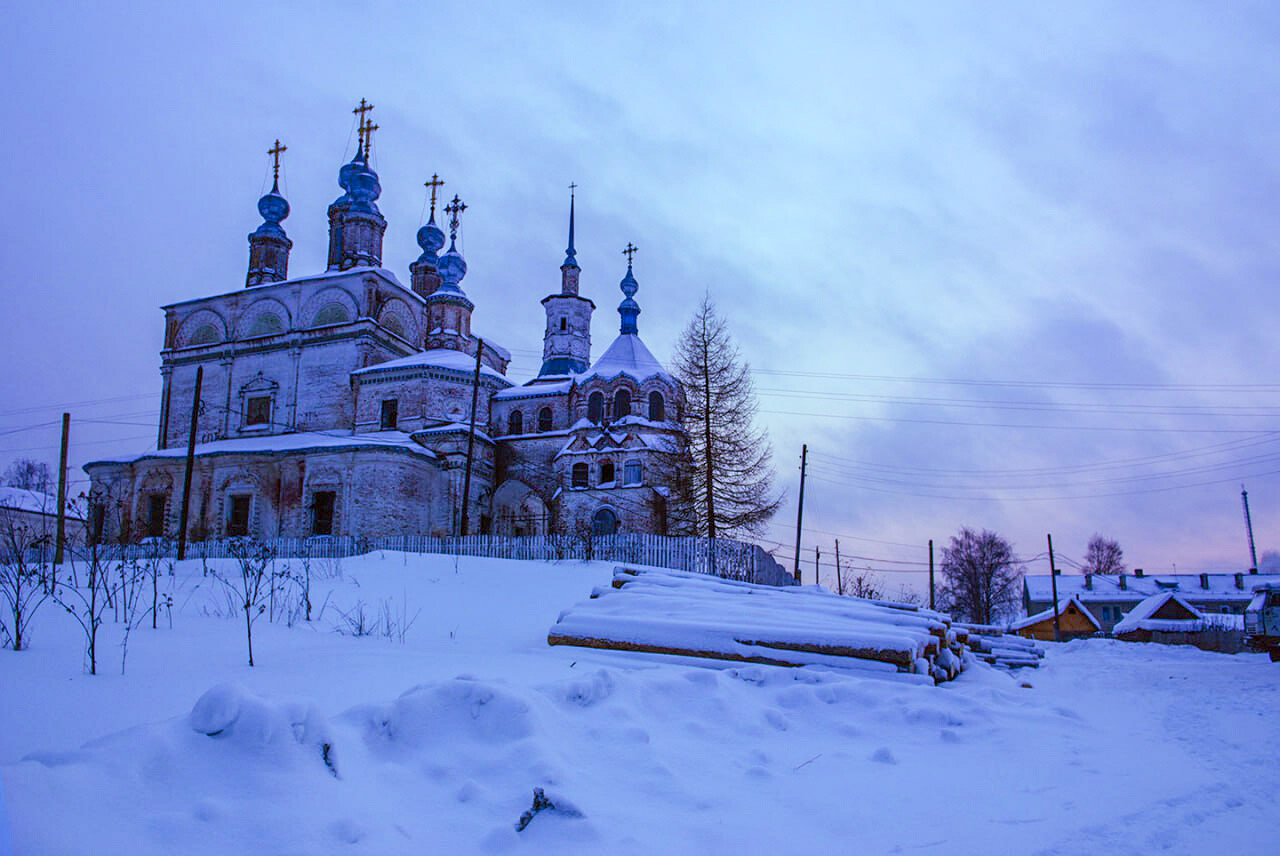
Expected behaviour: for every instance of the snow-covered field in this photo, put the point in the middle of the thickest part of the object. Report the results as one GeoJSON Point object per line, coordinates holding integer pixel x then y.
{"type": "Point", "coordinates": [436, 744]}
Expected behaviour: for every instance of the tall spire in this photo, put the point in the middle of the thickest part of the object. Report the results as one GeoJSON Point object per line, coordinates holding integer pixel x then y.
{"type": "Point", "coordinates": [268, 244]}
{"type": "Point", "coordinates": [356, 226]}
{"type": "Point", "coordinates": [628, 308]}
{"type": "Point", "coordinates": [569, 270]}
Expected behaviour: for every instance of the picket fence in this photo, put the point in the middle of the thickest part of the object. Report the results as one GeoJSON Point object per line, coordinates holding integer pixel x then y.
{"type": "Point", "coordinates": [721, 557]}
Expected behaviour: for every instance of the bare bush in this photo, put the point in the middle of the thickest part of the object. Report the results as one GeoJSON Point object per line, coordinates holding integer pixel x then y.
{"type": "Point", "coordinates": [251, 586]}
{"type": "Point", "coordinates": [24, 576]}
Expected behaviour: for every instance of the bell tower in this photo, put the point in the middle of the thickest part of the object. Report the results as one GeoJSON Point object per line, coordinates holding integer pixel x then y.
{"type": "Point", "coordinates": [566, 345]}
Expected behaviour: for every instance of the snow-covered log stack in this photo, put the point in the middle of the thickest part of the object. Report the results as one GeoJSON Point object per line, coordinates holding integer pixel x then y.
{"type": "Point", "coordinates": [689, 614]}
{"type": "Point", "coordinates": [992, 645]}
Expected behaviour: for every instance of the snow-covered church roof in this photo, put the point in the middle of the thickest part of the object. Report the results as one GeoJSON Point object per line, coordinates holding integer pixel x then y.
{"type": "Point", "coordinates": [629, 356]}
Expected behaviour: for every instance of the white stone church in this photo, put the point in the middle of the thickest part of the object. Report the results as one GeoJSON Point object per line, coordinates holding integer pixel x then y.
{"type": "Point", "coordinates": [341, 403]}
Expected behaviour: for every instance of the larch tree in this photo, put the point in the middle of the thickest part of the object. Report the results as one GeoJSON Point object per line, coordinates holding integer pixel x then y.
{"type": "Point", "coordinates": [721, 479]}
{"type": "Point", "coordinates": [980, 576]}
{"type": "Point", "coordinates": [1103, 556]}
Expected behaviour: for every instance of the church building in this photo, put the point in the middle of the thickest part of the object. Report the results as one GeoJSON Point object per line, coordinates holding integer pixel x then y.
{"type": "Point", "coordinates": [343, 403]}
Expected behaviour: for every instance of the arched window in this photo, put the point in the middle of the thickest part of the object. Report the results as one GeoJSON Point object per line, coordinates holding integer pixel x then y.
{"type": "Point", "coordinates": [631, 473]}
{"type": "Point", "coordinates": [580, 475]}
{"type": "Point", "coordinates": [657, 407]}
{"type": "Point", "coordinates": [622, 403]}
{"type": "Point", "coordinates": [606, 472]}
{"type": "Point", "coordinates": [205, 334]}
{"type": "Point", "coordinates": [544, 419]}
{"type": "Point", "coordinates": [604, 522]}
{"type": "Point", "coordinates": [595, 406]}
{"type": "Point", "coordinates": [515, 422]}
{"type": "Point", "coordinates": [266, 324]}
{"type": "Point", "coordinates": [333, 313]}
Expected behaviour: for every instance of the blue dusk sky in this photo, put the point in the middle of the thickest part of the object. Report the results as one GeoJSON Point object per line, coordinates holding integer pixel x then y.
{"type": "Point", "coordinates": [1003, 265]}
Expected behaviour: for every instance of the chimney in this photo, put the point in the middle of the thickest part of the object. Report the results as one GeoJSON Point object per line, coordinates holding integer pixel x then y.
{"type": "Point", "coordinates": [1240, 581]}
{"type": "Point", "coordinates": [1057, 571]}
{"type": "Point", "coordinates": [1124, 581]}
{"type": "Point", "coordinates": [1088, 581]}
{"type": "Point", "coordinates": [1253, 570]}
{"type": "Point", "coordinates": [1204, 581]}
{"type": "Point", "coordinates": [1137, 572]}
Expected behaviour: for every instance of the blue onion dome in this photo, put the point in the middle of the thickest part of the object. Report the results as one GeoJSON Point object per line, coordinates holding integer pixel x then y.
{"type": "Point", "coordinates": [628, 308]}
{"type": "Point", "coordinates": [361, 184]}
{"type": "Point", "coordinates": [452, 267]}
{"type": "Point", "coordinates": [431, 239]}
{"type": "Point", "coordinates": [273, 207]}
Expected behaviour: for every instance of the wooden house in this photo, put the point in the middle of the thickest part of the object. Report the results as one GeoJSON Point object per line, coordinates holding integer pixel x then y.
{"type": "Point", "coordinates": [1074, 621]}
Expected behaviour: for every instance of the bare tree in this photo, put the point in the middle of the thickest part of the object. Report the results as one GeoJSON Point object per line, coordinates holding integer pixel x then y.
{"type": "Point", "coordinates": [861, 582]}
{"type": "Point", "coordinates": [250, 588]}
{"type": "Point", "coordinates": [23, 576]}
{"type": "Point", "coordinates": [721, 479]}
{"type": "Point", "coordinates": [88, 603]}
{"type": "Point", "coordinates": [1103, 556]}
{"type": "Point", "coordinates": [980, 576]}
{"type": "Point", "coordinates": [29, 474]}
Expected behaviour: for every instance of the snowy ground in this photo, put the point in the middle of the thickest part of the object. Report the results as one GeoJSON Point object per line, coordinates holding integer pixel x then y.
{"type": "Point", "coordinates": [438, 743]}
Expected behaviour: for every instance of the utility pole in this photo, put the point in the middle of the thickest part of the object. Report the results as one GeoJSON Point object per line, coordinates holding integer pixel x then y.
{"type": "Point", "coordinates": [817, 564]}
{"type": "Point", "coordinates": [804, 457]}
{"type": "Point", "coordinates": [1053, 576]}
{"type": "Point", "coordinates": [839, 576]}
{"type": "Point", "coordinates": [1248, 526]}
{"type": "Point", "coordinates": [932, 601]}
{"type": "Point", "coordinates": [471, 437]}
{"type": "Point", "coordinates": [191, 458]}
{"type": "Point", "coordinates": [62, 493]}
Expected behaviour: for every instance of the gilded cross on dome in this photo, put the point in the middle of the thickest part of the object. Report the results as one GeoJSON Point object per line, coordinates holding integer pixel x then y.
{"type": "Point", "coordinates": [453, 209]}
{"type": "Point", "coordinates": [275, 152]}
{"type": "Point", "coordinates": [630, 251]}
{"type": "Point", "coordinates": [433, 184]}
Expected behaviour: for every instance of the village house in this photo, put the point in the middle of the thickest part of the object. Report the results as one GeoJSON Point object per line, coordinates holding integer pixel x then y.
{"type": "Point", "coordinates": [1074, 621]}
{"type": "Point", "coordinates": [343, 402]}
{"type": "Point", "coordinates": [1109, 597]}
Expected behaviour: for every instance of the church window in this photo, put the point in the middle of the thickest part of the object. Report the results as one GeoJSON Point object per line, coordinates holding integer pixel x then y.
{"type": "Point", "coordinates": [99, 522]}
{"type": "Point", "coordinates": [544, 419]}
{"type": "Point", "coordinates": [333, 313]}
{"type": "Point", "coordinates": [631, 473]}
{"type": "Point", "coordinates": [657, 407]}
{"type": "Point", "coordinates": [515, 422]}
{"type": "Point", "coordinates": [266, 324]}
{"type": "Point", "coordinates": [322, 512]}
{"type": "Point", "coordinates": [564, 324]}
{"type": "Point", "coordinates": [238, 515]}
{"type": "Point", "coordinates": [155, 515]}
{"type": "Point", "coordinates": [606, 472]}
{"type": "Point", "coordinates": [604, 522]}
{"type": "Point", "coordinates": [622, 403]}
{"type": "Point", "coordinates": [205, 334]}
{"type": "Point", "coordinates": [390, 414]}
{"type": "Point", "coordinates": [257, 410]}
{"type": "Point", "coordinates": [392, 324]}
{"type": "Point", "coordinates": [595, 406]}
{"type": "Point", "coordinates": [579, 475]}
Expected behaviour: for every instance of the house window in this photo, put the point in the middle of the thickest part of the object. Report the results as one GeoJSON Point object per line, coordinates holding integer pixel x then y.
{"type": "Point", "coordinates": [622, 403]}
{"type": "Point", "coordinates": [544, 419]}
{"type": "Point", "coordinates": [238, 515]}
{"type": "Point", "coordinates": [322, 512]}
{"type": "Point", "coordinates": [657, 407]}
{"type": "Point", "coordinates": [390, 414]}
{"type": "Point", "coordinates": [604, 522]}
{"type": "Point", "coordinates": [595, 406]}
{"type": "Point", "coordinates": [606, 472]}
{"type": "Point", "coordinates": [257, 410]}
{"type": "Point", "coordinates": [580, 475]}
{"type": "Point", "coordinates": [155, 515]}
{"type": "Point", "coordinates": [631, 473]}
{"type": "Point", "coordinates": [515, 422]}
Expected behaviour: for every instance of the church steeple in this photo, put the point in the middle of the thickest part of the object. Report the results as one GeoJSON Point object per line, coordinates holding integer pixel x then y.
{"type": "Point", "coordinates": [569, 270]}
{"type": "Point", "coordinates": [424, 274]}
{"type": "Point", "coordinates": [628, 308]}
{"type": "Point", "coordinates": [268, 244]}
{"type": "Point", "coordinates": [566, 345]}
{"type": "Point", "coordinates": [356, 225]}
{"type": "Point", "coordinates": [448, 308]}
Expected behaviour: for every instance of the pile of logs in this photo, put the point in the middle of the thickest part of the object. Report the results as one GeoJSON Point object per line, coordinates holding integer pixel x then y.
{"type": "Point", "coordinates": [694, 615]}
{"type": "Point", "coordinates": [1006, 650]}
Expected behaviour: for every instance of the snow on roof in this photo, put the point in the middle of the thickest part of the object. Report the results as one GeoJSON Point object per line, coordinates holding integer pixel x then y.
{"type": "Point", "coordinates": [626, 356]}
{"type": "Point", "coordinates": [300, 280]}
{"type": "Point", "coordinates": [453, 428]}
{"type": "Point", "coordinates": [1139, 618]}
{"type": "Point", "coordinates": [1106, 587]}
{"type": "Point", "coordinates": [283, 443]}
{"type": "Point", "coordinates": [22, 499]}
{"type": "Point", "coordinates": [439, 358]}
{"type": "Point", "coordinates": [1048, 613]}
{"type": "Point", "coordinates": [532, 390]}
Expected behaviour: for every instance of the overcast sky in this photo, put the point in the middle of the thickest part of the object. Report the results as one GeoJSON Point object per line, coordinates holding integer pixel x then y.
{"type": "Point", "coordinates": [1003, 265]}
